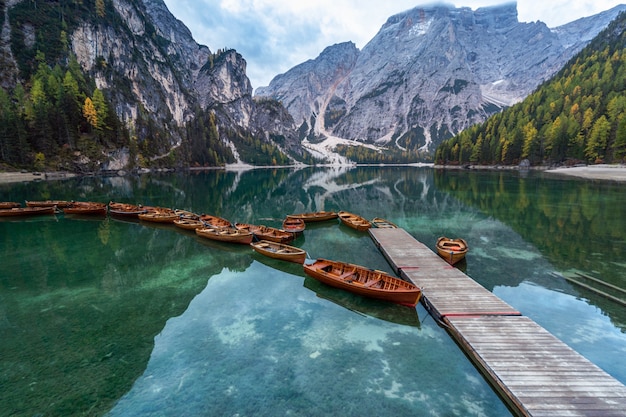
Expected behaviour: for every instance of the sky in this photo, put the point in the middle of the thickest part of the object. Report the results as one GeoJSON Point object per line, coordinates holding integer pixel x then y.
{"type": "Point", "coordinates": [273, 36]}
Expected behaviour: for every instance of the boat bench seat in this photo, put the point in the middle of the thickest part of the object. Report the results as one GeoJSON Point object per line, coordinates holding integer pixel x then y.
{"type": "Point", "coordinates": [346, 274]}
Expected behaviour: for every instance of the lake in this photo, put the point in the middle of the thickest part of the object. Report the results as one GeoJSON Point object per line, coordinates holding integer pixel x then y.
{"type": "Point", "coordinates": [124, 318]}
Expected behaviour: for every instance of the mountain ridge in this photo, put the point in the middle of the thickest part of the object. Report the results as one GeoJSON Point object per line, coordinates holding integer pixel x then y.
{"type": "Point", "coordinates": [119, 85]}
{"type": "Point", "coordinates": [172, 101]}
{"type": "Point", "coordinates": [431, 72]}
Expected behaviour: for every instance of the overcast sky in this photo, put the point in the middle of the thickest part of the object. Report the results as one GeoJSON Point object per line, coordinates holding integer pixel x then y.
{"type": "Point", "coordinates": [276, 35]}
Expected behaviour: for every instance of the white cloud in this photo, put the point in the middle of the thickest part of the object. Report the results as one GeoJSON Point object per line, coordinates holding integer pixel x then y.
{"type": "Point", "coordinates": [275, 35]}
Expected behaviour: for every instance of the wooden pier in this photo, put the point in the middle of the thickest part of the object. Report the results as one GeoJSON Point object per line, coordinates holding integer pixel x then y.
{"type": "Point", "coordinates": [534, 372]}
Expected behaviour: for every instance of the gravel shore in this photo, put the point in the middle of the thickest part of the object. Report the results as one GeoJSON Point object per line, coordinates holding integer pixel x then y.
{"type": "Point", "coordinates": [594, 172]}
{"type": "Point", "coordinates": [10, 177]}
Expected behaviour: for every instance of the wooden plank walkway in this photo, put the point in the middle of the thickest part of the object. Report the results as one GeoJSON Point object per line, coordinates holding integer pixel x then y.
{"type": "Point", "coordinates": [534, 372]}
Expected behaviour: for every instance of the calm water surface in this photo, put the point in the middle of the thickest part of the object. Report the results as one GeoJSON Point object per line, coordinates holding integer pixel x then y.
{"type": "Point", "coordinates": [104, 317]}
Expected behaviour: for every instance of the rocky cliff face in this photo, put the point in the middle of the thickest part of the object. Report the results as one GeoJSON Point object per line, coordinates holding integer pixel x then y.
{"type": "Point", "coordinates": [149, 53]}
{"type": "Point", "coordinates": [429, 73]}
{"type": "Point", "coordinates": [149, 66]}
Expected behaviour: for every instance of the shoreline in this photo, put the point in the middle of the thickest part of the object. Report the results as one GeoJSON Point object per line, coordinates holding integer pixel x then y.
{"type": "Point", "coordinates": [601, 172]}
{"type": "Point", "coordinates": [14, 177]}
{"type": "Point", "coordinates": [591, 172]}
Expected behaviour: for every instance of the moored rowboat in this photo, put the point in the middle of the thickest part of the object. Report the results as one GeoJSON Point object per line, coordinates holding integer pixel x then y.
{"type": "Point", "coordinates": [49, 203]}
{"type": "Point", "coordinates": [86, 207]}
{"type": "Point", "coordinates": [354, 221]}
{"type": "Point", "coordinates": [262, 232]}
{"type": "Point", "coordinates": [293, 225]}
{"type": "Point", "coordinates": [364, 281]}
{"type": "Point", "coordinates": [8, 205]}
{"type": "Point", "coordinates": [226, 234]}
{"type": "Point", "coordinates": [452, 250]}
{"type": "Point", "coordinates": [27, 211]}
{"type": "Point", "coordinates": [215, 221]}
{"type": "Point", "coordinates": [126, 210]}
{"type": "Point", "coordinates": [186, 214]}
{"type": "Point", "coordinates": [279, 251]}
{"type": "Point", "coordinates": [159, 216]}
{"type": "Point", "coordinates": [316, 216]}
{"type": "Point", "coordinates": [189, 224]}
{"type": "Point", "coordinates": [383, 223]}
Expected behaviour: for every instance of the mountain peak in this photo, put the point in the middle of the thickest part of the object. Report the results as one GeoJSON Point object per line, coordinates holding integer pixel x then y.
{"type": "Point", "coordinates": [429, 73]}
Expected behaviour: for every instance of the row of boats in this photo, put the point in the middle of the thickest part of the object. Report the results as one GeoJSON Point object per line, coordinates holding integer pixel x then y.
{"type": "Point", "coordinates": [266, 240]}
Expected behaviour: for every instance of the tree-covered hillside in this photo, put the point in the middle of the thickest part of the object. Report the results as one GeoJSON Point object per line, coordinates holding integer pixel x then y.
{"type": "Point", "coordinates": [579, 115]}
{"type": "Point", "coordinates": [53, 116]}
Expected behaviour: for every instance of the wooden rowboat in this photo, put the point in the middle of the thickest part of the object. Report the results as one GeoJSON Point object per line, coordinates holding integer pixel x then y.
{"type": "Point", "coordinates": [279, 251]}
{"type": "Point", "coordinates": [27, 211]}
{"type": "Point", "coordinates": [226, 234]}
{"type": "Point", "coordinates": [452, 250]}
{"type": "Point", "coordinates": [186, 214]}
{"type": "Point", "coordinates": [354, 221]}
{"type": "Point", "coordinates": [9, 205]}
{"type": "Point", "coordinates": [126, 210]}
{"type": "Point", "coordinates": [316, 216]}
{"type": "Point", "coordinates": [86, 208]}
{"type": "Point", "coordinates": [293, 225]}
{"type": "Point", "coordinates": [189, 224]}
{"type": "Point", "coordinates": [159, 216]}
{"type": "Point", "coordinates": [262, 232]}
{"type": "Point", "coordinates": [215, 221]}
{"type": "Point", "coordinates": [383, 223]}
{"type": "Point", "coordinates": [364, 281]}
{"type": "Point", "coordinates": [49, 203]}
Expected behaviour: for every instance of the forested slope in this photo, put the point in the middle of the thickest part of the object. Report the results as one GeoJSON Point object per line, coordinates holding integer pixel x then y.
{"type": "Point", "coordinates": [577, 116]}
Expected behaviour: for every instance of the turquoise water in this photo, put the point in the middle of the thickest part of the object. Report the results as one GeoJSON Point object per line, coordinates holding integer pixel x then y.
{"type": "Point", "coordinates": [106, 317]}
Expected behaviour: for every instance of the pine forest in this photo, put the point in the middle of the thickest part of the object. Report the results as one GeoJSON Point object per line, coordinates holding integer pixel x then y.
{"type": "Point", "coordinates": [579, 116]}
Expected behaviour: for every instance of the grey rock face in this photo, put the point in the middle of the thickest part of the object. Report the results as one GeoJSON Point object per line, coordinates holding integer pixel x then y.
{"type": "Point", "coordinates": [148, 65]}
{"type": "Point", "coordinates": [429, 73]}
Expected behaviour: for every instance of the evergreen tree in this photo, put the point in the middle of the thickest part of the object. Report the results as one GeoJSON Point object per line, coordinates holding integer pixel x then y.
{"type": "Point", "coordinates": [100, 106]}
{"type": "Point", "coordinates": [619, 146]}
{"type": "Point", "coordinates": [598, 139]}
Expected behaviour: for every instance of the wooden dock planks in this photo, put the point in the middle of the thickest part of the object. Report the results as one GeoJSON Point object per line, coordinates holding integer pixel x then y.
{"type": "Point", "coordinates": [533, 371]}
{"type": "Point", "coordinates": [539, 374]}
{"type": "Point", "coordinates": [414, 261]}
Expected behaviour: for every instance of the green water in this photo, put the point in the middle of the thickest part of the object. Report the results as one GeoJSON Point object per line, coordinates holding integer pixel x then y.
{"type": "Point", "coordinates": [105, 317]}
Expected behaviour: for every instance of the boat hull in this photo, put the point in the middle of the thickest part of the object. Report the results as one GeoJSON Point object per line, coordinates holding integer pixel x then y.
{"type": "Point", "coordinates": [383, 223]}
{"type": "Point", "coordinates": [215, 221]}
{"type": "Point", "coordinates": [451, 250]}
{"type": "Point", "coordinates": [189, 224]}
{"type": "Point", "coordinates": [49, 203]}
{"type": "Point", "coordinates": [86, 208]}
{"type": "Point", "coordinates": [126, 210]}
{"type": "Point", "coordinates": [293, 225]}
{"type": "Point", "coordinates": [364, 281]}
{"type": "Point", "coordinates": [226, 234]}
{"type": "Point", "coordinates": [266, 233]}
{"type": "Point", "coordinates": [317, 216]}
{"type": "Point", "coordinates": [27, 211]}
{"type": "Point", "coordinates": [354, 221]}
{"type": "Point", "coordinates": [158, 216]}
{"type": "Point", "coordinates": [279, 251]}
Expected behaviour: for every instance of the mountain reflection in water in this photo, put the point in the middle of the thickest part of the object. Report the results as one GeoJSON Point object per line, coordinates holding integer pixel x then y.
{"type": "Point", "coordinates": [132, 319]}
